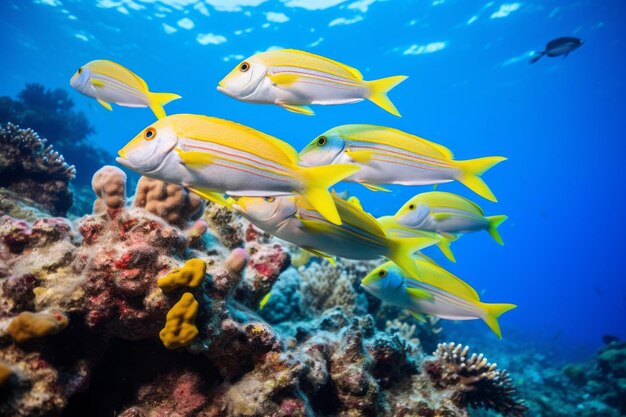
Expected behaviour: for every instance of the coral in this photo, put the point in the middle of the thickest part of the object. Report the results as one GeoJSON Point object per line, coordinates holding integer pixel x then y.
{"type": "Point", "coordinates": [29, 325]}
{"type": "Point", "coordinates": [109, 184]}
{"type": "Point", "coordinates": [5, 374]}
{"type": "Point", "coordinates": [173, 203]}
{"type": "Point", "coordinates": [325, 286]}
{"type": "Point", "coordinates": [51, 113]}
{"type": "Point", "coordinates": [180, 327]}
{"type": "Point", "coordinates": [190, 275]}
{"type": "Point", "coordinates": [480, 383]}
{"type": "Point", "coordinates": [31, 169]}
{"type": "Point", "coordinates": [227, 225]}
{"type": "Point", "coordinates": [422, 335]}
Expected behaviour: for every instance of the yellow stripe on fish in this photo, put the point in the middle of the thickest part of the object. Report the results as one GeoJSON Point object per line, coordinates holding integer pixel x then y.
{"type": "Point", "coordinates": [359, 236]}
{"type": "Point", "coordinates": [110, 82]}
{"type": "Point", "coordinates": [216, 156]}
{"type": "Point", "coordinates": [294, 79]}
{"type": "Point", "coordinates": [391, 156]}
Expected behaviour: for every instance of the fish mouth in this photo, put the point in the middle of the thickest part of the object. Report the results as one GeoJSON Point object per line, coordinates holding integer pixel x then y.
{"type": "Point", "coordinates": [123, 161]}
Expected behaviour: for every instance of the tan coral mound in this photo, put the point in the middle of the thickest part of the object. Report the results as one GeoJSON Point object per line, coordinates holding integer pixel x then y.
{"type": "Point", "coordinates": [29, 325]}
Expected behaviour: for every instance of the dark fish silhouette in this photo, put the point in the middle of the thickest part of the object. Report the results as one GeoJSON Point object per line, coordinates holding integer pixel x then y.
{"type": "Point", "coordinates": [558, 47]}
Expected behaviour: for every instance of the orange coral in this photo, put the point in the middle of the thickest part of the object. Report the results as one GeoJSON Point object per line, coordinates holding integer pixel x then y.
{"type": "Point", "coordinates": [190, 275]}
{"type": "Point", "coordinates": [109, 184]}
{"type": "Point", "coordinates": [29, 325]}
{"type": "Point", "coordinates": [180, 327]}
{"type": "Point", "coordinates": [171, 202]}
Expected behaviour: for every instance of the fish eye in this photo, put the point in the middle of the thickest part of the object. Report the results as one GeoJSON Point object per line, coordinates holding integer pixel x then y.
{"type": "Point", "coordinates": [321, 141]}
{"type": "Point", "coordinates": [382, 273]}
{"type": "Point", "coordinates": [244, 67]}
{"type": "Point", "coordinates": [80, 70]}
{"type": "Point", "coordinates": [269, 199]}
{"type": "Point", "coordinates": [150, 133]}
{"type": "Point", "coordinates": [411, 206]}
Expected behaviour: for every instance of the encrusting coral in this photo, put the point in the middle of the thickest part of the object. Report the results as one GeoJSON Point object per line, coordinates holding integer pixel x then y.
{"type": "Point", "coordinates": [34, 171]}
{"type": "Point", "coordinates": [189, 275]}
{"type": "Point", "coordinates": [180, 326]}
{"type": "Point", "coordinates": [479, 383]}
{"type": "Point", "coordinates": [29, 325]}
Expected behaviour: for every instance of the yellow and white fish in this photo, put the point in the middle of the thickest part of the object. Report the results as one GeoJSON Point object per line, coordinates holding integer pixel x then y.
{"type": "Point", "coordinates": [359, 236]}
{"type": "Point", "coordinates": [212, 156]}
{"type": "Point", "coordinates": [395, 229]}
{"type": "Point", "coordinates": [437, 293]}
{"type": "Point", "coordinates": [391, 156]}
{"type": "Point", "coordinates": [448, 214]}
{"type": "Point", "coordinates": [294, 79]}
{"type": "Point", "coordinates": [109, 82]}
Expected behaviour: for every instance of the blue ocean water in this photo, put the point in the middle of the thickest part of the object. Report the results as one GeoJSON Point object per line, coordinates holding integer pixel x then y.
{"type": "Point", "coordinates": [471, 88]}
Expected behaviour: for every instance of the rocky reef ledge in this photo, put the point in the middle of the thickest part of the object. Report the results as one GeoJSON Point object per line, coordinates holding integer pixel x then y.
{"type": "Point", "coordinates": [150, 308]}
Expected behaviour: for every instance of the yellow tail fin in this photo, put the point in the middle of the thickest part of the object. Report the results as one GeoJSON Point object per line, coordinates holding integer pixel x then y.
{"type": "Point", "coordinates": [158, 100]}
{"type": "Point", "coordinates": [379, 90]}
{"type": "Point", "coordinates": [493, 311]}
{"type": "Point", "coordinates": [317, 180]}
{"type": "Point", "coordinates": [444, 247]}
{"type": "Point", "coordinates": [494, 222]}
{"type": "Point", "coordinates": [472, 169]}
{"type": "Point", "coordinates": [402, 249]}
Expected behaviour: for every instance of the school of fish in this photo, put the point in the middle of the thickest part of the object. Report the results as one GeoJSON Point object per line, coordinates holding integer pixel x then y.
{"type": "Point", "coordinates": [287, 193]}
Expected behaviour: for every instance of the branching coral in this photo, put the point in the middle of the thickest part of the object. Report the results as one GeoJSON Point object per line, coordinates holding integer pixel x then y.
{"type": "Point", "coordinates": [33, 170]}
{"type": "Point", "coordinates": [29, 325]}
{"type": "Point", "coordinates": [480, 383]}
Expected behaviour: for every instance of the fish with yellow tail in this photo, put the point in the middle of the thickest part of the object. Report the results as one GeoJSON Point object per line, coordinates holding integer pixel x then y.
{"type": "Point", "coordinates": [395, 229]}
{"type": "Point", "coordinates": [294, 79]}
{"type": "Point", "coordinates": [359, 236]}
{"type": "Point", "coordinates": [448, 214]}
{"type": "Point", "coordinates": [109, 82]}
{"type": "Point", "coordinates": [212, 156]}
{"type": "Point", "coordinates": [438, 293]}
{"type": "Point", "coordinates": [391, 156]}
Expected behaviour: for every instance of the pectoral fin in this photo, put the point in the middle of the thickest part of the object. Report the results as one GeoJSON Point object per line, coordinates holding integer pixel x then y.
{"type": "Point", "coordinates": [373, 187]}
{"type": "Point", "coordinates": [194, 159]}
{"type": "Point", "coordinates": [321, 254]}
{"type": "Point", "coordinates": [105, 105]}
{"type": "Point", "coordinates": [417, 316]}
{"type": "Point", "coordinates": [264, 300]}
{"type": "Point", "coordinates": [283, 80]}
{"type": "Point", "coordinates": [419, 293]}
{"type": "Point", "coordinates": [97, 83]}
{"type": "Point", "coordinates": [360, 156]}
{"type": "Point", "coordinates": [212, 196]}
{"type": "Point", "coordinates": [297, 109]}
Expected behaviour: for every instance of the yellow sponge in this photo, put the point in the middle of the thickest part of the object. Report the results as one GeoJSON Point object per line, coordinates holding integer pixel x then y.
{"type": "Point", "coordinates": [190, 275]}
{"type": "Point", "coordinates": [5, 374]}
{"type": "Point", "coordinates": [29, 325]}
{"type": "Point", "coordinates": [180, 327]}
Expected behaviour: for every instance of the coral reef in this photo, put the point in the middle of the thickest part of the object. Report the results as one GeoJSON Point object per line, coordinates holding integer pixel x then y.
{"type": "Point", "coordinates": [479, 383]}
{"type": "Point", "coordinates": [33, 171]}
{"type": "Point", "coordinates": [51, 114]}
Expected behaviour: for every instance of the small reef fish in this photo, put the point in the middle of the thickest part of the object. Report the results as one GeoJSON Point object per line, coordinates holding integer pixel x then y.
{"type": "Point", "coordinates": [293, 79]}
{"type": "Point", "coordinates": [109, 82]}
{"type": "Point", "coordinates": [359, 236]}
{"type": "Point", "coordinates": [448, 214]}
{"type": "Point", "coordinates": [557, 47]}
{"type": "Point", "coordinates": [212, 156]}
{"type": "Point", "coordinates": [391, 156]}
{"type": "Point", "coordinates": [438, 293]}
{"type": "Point", "coordinates": [394, 229]}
